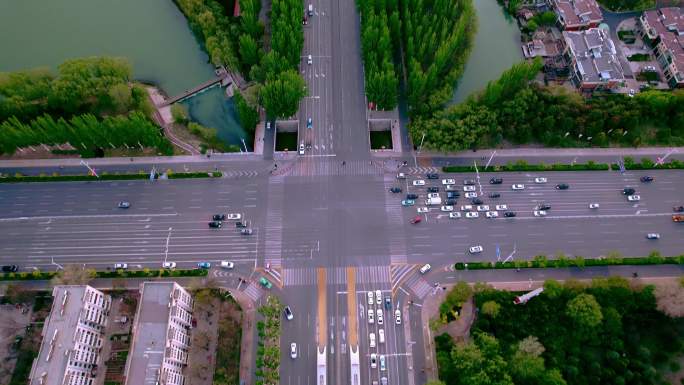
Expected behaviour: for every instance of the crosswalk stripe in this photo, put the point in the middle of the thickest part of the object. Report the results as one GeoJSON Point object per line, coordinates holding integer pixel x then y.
{"type": "Point", "coordinates": [253, 292]}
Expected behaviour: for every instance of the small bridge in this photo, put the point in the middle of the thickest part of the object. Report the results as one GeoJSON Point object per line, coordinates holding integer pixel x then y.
{"type": "Point", "coordinates": [223, 78]}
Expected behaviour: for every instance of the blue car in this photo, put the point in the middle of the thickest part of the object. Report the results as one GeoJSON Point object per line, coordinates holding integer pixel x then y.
{"type": "Point", "coordinates": [204, 265]}
{"type": "Point", "coordinates": [309, 123]}
{"type": "Point", "coordinates": [408, 202]}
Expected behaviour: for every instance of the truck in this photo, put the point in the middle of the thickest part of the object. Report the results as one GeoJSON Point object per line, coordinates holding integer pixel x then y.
{"type": "Point", "coordinates": [678, 218]}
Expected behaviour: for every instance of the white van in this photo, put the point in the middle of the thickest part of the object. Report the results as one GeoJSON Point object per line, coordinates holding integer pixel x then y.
{"type": "Point", "coordinates": [310, 9]}
{"type": "Point", "coordinates": [425, 268]}
{"type": "Point", "coordinates": [371, 339]}
{"type": "Point", "coordinates": [381, 336]}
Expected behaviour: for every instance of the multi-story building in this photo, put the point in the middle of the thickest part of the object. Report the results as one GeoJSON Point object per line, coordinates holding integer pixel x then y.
{"type": "Point", "coordinates": [592, 59]}
{"type": "Point", "coordinates": [664, 30]}
{"type": "Point", "coordinates": [161, 337]}
{"type": "Point", "coordinates": [575, 15]}
{"type": "Point", "coordinates": [72, 337]}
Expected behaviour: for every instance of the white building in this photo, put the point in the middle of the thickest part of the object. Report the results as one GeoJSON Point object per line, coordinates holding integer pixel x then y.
{"type": "Point", "coordinates": [161, 338]}
{"type": "Point", "coordinates": [72, 337]}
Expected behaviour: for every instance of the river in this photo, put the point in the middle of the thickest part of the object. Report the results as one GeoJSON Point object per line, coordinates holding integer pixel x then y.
{"type": "Point", "coordinates": [153, 34]}
{"type": "Point", "coordinates": [496, 49]}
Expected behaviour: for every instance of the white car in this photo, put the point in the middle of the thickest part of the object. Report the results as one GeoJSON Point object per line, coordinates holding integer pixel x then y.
{"type": "Point", "coordinates": [378, 297]}
{"type": "Point", "coordinates": [483, 208]}
{"type": "Point", "coordinates": [518, 187]}
{"type": "Point", "coordinates": [301, 148]}
{"type": "Point", "coordinates": [540, 180]}
{"type": "Point", "coordinates": [433, 195]}
{"type": "Point", "coordinates": [401, 175]}
{"type": "Point", "coordinates": [227, 265]}
{"type": "Point", "coordinates": [234, 216]}
{"type": "Point", "coordinates": [371, 340]}
{"type": "Point", "coordinates": [471, 195]}
{"type": "Point", "coordinates": [539, 213]}
{"type": "Point", "coordinates": [370, 297]}
{"type": "Point", "coordinates": [382, 363]}
{"type": "Point", "coordinates": [419, 182]}
{"type": "Point", "coordinates": [653, 236]}
{"type": "Point", "coordinates": [422, 210]}
{"type": "Point", "coordinates": [448, 181]}
{"type": "Point", "coordinates": [381, 336]}
{"type": "Point", "coordinates": [471, 215]}
{"type": "Point", "coordinates": [476, 249]}
{"type": "Point", "coordinates": [374, 360]}
{"type": "Point", "coordinates": [492, 214]}
{"type": "Point", "coordinates": [593, 205]}
{"type": "Point", "coordinates": [447, 208]}
{"type": "Point", "coordinates": [293, 350]}
{"type": "Point", "coordinates": [371, 316]}
{"type": "Point", "coordinates": [309, 60]}
{"type": "Point", "coordinates": [379, 315]}
{"type": "Point", "coordinates": [425, 268]}
{"type": "Point", "coordinates": [456, 215]}
{"type": "Point", "coordinates": [121, 266]}
{"type": "Point", "coordinates": [169, 265]}
{"type": "Point", "coordinates": [397, 317]}
{"type": "Point", "coordinates": [466, 208]}
{"type": "Point", "coordinates": [468, 188]}
{"type": "Point", "coordinates": [451, 187]}
{"type": "Point", "coordinates": [634, 198]}
{"type": "Point", "coordinates": [501, 207]}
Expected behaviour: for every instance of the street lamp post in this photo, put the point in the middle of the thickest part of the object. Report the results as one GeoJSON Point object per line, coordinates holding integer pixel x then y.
{"type": "Point", "coordinates": [415, 160]}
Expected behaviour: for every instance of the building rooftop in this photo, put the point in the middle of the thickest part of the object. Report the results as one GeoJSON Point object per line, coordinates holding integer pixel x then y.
{"type": "Point", "coordinates": [595, 55]}
{"type": "Point", "coordinates": [149, 340]}
{"type": "Point", "coordinates": [576, 13]}
{"type": "Point", "coordinates": [668, 24]}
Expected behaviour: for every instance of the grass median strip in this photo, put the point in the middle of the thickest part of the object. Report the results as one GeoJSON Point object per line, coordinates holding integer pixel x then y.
{"type": "Point", "coordinates": [19, 178]}
{"type": "Point", "coordinates": [541, 261]}
{"type": "Point", "coordinates": [524, 166]}
{"type": "Point", "coordinates": [38, 275]}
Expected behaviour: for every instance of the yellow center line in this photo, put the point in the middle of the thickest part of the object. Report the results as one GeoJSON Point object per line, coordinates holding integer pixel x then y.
{"type": "Point", "coordinates": [322, 298]}
{"type": "Point", "coordinates": [351, 307]}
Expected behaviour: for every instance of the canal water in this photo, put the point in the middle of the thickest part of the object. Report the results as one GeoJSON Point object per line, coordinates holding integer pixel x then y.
{"type": "Point", "coordinates": [496, 49]}
{"type": "Point", "coordinates": [152, 34]}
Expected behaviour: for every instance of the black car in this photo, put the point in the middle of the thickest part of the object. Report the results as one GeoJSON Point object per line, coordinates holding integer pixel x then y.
{"type": "Point", "coordinates": [628, 191]}
{"type": "Point", "coordinates": [468, 182]}
{"type": "Point", "coordinates": [219, 217]}
{"type": "Point", "coordinates": [432, 189]}
{"type": "Point", "coordinates": [543, 206]}
{"type": "Point", "coordinates": [450, 202]}
{"type": "Point", "coordinates": [9, 268]}
{"type": "Point", "coordinates": [412, 196]}
{"type": "Point", "coordinates": [241, 224]}
{"type": "Point", "coordinates": [678, 209]}
{"type": "Point", "coordinates": [562, 186]}
{"type": "Point", "coordinates": [432, 175]}
{"type": "Point", "coordinates": [453, 194]}
{"type": "Point", "coordinates": [494, 195]}
{"type": "Point", "coordinates": [509, 214]}
{"type": "Point", "coordinates": [646, 179]}
{"type": "Point", "coordinates": [395, 190]}
{"type": "Point", "coordinates": [477, 201]}
{"type": "Point", "coordinates": [388, 303]}
{"type": "Point", "coordinates": [215, 224]}
{"type": "Point", "coordinates": [496, 181]}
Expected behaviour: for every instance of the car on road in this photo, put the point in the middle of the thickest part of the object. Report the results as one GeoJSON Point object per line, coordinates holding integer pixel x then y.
{"type": "Point", "coordinates": [373, 360]}
{"type": "Point", "coordinates": [453, 194]}
{"type": "Point", "coordinates": [215, 224]}
{"type": "Point", "coordinates": [416, 220]}
{"type": "Point", "coordinates": [419, 182]}
{"type": "Point", "coordinates": [594, 205]}
{"type": "Point", "coordinates": [381, 336]}
{"type": "Point", "coordinates": [518, 187]}
{"type": "Point", "coordinates": [293, 350]}
{"type": "Point", "coordinates": [379, 316]}
{"type": "Point", "coordinates": [468, 182]}
{"type": "Point", "coordinates": [10, 268]}
{"type": "Point", "coordinates": [408, 202]}
{"type": "Point", "coordinates": [265, 283]}
{"type": "Point", "coordinates": [433, 195]}
{"type": "Point", "coordinates": [432, 175]}
{"type": "Point", "coordinates": [469, 188]}
{"type": "Point", "coordinates": [492, 214]}
{"type": "Point", "coordinates": [432, 189]}
{"type": "Point", "coordinates": [411, 196]}
{"type": "Point", "coordinates": [455, 215]}
{"type": "Point", "coordinates": [401, 175]}
{"type": "Point", "coordinates": [234, 217]}
{"type": "Point", "coordinates": [646, 179]}
{"type": "Point", "coordinates": [628, 191]}
{"type": "Point", "coordinates": [227, 265]}
{"type": "Point", "coordinates": [496, 181]}
{"type": "Point", "coordinates": [471, 215]}
{"type": "Point", "coordinates": [653, 236]}
{"type": "Point", "coordinates": [246, 231]}
{"type": "Point", "coordinates": [501, 207]}
{"type": "Point", "coordinates": [470, 195]}
{"type": "Point", "coordinates": [540, 180]}
{"type": "Point", "coordinates": [494, 195]}
{"type": "Point", "coordinates": [450, 202]}
{"type": "Point", "coordinates": [448, 181]}
{"type": "Point", "coordinates": [119, 266]}
{"type": "Point", "coordinates": [397, 317]}
{"type": "Point", "coordinates": [422, 210]}
{"type": "Point", "coordinates": [562, 186]}
{"type": "Point", "coordinates": [371, 316]}
{"type": "Point", "coordinates": [309, 60]}
{"type": "Point", "coordinates": [204, 265]}
{"type": "Point", "coordinates": [678, 209]}
{"type": "Point", "coordinates": [382, 363]}
{"type": "Point", "coordinates": [426, 267]}
{"type": "Point", "coordinates": [288, 313]}
{"type": "Point", "coordinates": [388, 302]}
{"type": "Point", "coordinates": [219, 217]}
{"type": "Point", "coordinates": [301, 148]}
{"type": "Point", "coordinates": [483, 208]}
{"type": "Point", "coordinates": [371, 340]}
{"type": "Point", "coordinates": [383, 381]}
{"type": "Point", "coordinates": [476, 201]}
{"type": "Point", "coordinates": [633, 198]}
{"type": "Point", "coordinates": [475, 249]}
{"type": "Point", "coordinates": [447, 208]}
{"type": "Point", "coordinates": [309, 123]}
{"type": "Point", "coordinates": [378, 297]}
{"type": "Point", "coordinates": [451, 187]}
{"type": "Point", "coordinates": [539, 213]}
{"type": "Point", "coordinates": [268, 124]}
{"type": "Point", "coordinates": [466, 208]}
{"type": "Point", "coordinates": [123, 205]}
{"type": "Point", "coordinates": [543, 206]}
{"type": "Point", "coordinates": [510, 214]}
{"type": "Point", "coordinates": [169, 265]}
{"type": "Point", "coordinates": [395, 190]}
{"type": "Point", "coordinates": [242, 224]}
{"type": "Point", "coordinates": [370, 297]}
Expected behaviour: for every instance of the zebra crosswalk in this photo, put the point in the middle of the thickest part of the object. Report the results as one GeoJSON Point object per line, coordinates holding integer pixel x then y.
{"type": "Point", "coordinates": [334, 166]}
{"type": "Point", "coordinates": [394, 217]}
{"type": "Point", "coordinates": [418, 285]}
{"type": "Point", "coordinates": [307, 276]}
{"type": "Point", "coordinates": [274, 223]}
{"type": "Point", "coordinates": [253, 291]}
{"type": "Point", "coordinates": [398, 272]}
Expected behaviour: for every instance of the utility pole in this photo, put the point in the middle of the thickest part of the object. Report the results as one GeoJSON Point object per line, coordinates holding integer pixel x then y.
{"type": "Point", "coordinates": [477, 173]}
{"type": "Point", "coordinates": [510, 256]}
{"type": "Point", "coordinates": [84, 163]}
{"type": "Point", "coordinates": [490, 160]}
{"type": "Point", "coordinates": [166, 251]}
{"type": "Point", "coordinates": [59, 267]}
{"type": "Point", "coordinates": [243, 143]}
{"type": "Point", "coordinates": [415, 160]}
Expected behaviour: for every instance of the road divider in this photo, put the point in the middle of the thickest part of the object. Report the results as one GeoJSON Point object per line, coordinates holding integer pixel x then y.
{"type": "Point", "coordinates": [19, 178]}
{"type": "Point", "coordinates": [540, 261]}
{"type": "Point", "coordinates": [524, 166]}
{"type": "Point", "coordinates": [38, 275]}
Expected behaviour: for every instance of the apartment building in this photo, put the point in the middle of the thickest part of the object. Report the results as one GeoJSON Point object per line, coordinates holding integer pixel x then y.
{"type": "Point", "coordinates": [593, 60]}
{"type": "Point", "coordinates": [664, 30]}
{"type": "Point", "coordinates": [161, 338]}
{"type": "Point", "coordinates": [72, 337]}
{"type": "Point", "coordinates": [575, 15]}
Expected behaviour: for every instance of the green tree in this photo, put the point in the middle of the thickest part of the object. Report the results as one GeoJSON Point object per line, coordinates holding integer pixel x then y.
{"type": "Point", "coordinates": [73, 275]}
{"type": "Point", "coordinates": [121, 98]}
{"type": "Point", "coordinates": [179, 113]}
{"type": "Point", "coordinates": [281, 96]}
{"type": "Point", "coordinates": [491, 309]}
{"type": "Point", "coordinates": [480, 363]}
{"type": "Point", "coordinates": [584, 311]}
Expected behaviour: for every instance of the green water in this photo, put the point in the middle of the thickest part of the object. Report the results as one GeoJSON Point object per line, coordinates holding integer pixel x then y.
{"type": "Point", "coordinates": [496, 49]}
{"type": "Point", "coordinates": [152, 34]}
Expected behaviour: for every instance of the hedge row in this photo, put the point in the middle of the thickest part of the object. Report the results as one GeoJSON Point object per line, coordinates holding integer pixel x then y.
{"type": "Point", "coordinates": [523, 166]}
{"type": "Point", "coordinates": [145, 273]}
{"type": "Point", "coordinates": [540, 261]}
{"type": "Point", "coordinates": [647, 164]}
{"type": "Point", "coordinates": [71, 178]}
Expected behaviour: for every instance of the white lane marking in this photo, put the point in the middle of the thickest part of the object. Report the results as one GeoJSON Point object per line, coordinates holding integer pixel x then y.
{"type": "Point", "coordinates": [85, 216]}
{"type": "Point", "coordinates": [146, 254]}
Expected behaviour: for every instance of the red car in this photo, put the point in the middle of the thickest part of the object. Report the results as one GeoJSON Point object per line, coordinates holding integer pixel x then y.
{"type": "Point", "coordinates": [416, 220]}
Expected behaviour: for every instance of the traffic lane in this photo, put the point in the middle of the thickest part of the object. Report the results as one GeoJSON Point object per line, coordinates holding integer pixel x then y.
{"type": "Point", "coordinates": [482, 157]}
{"type": "Point", "coordinates": [300, 330]}
{"type": "Point", "coordinates": [388, 348]}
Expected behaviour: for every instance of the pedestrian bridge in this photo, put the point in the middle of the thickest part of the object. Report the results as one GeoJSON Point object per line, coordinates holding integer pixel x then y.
{"type": "Point", "coordinates": [223, 78]}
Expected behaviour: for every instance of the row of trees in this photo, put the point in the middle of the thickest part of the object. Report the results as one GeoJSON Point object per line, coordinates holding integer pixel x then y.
{"type": "Point", "coordinates": [608, 332]}
{"type": "Point", "coordinates": [513, 109]}
{"type": "Point", "coordinates": [268, 348]}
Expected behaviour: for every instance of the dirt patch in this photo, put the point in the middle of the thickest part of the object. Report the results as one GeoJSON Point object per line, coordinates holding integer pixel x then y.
{"type": "Point", "coordinates": [14, 321]}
